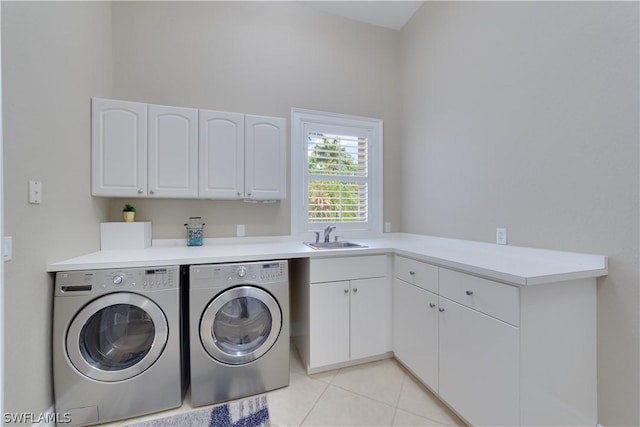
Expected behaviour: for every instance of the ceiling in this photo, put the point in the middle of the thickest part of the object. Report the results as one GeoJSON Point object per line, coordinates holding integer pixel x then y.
{"type": "Point", "coordinates": [388, 14]}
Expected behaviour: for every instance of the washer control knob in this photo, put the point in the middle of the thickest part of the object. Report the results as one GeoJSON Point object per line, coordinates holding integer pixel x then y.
{"type": "Point", "coordinates": [119, 279]}
{"type": "Point", "coordinates": [242, 272]}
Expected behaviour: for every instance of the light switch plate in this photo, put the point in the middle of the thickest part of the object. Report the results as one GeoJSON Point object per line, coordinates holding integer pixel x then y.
{"type": "Point", "coordinates": [7, 248]}
{"type": "Point", "coordinates": [35, 192]}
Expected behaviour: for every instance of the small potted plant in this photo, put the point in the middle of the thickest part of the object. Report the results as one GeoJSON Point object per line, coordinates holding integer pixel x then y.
{"type": "Point", "coordinates": [129, 213]}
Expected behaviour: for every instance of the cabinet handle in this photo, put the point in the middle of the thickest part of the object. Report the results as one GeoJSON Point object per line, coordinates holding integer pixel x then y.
{"type": "Point", "coordinates": [139, 191]}
{"type": "Point", "coordinates": [355, 290]}
{"type": "Point", "coordinates": [441, 309]}
{"type": "Point", "coordinates": [469, 292]}
{"type": "Point", "coordinates": [238, 194]}
{"type": "Point", "coordinates": [412, 273]}
{"type": "Point", "coordinates": [432, 305]}
{"type": "Point", "coordinates": [346, 291]}
{"type": "Point", "coordinates": [249, 194]}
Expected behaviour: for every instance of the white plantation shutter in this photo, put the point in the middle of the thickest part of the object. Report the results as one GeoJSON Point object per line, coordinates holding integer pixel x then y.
{"type": "Point", "coordinates": [336, 173]}
{"type": "Point", "coordinates": [337, 178]}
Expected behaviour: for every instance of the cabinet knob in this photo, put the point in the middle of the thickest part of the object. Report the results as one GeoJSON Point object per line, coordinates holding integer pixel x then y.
{"type": "Point", "coordinates": [346, 291]}
{"type": "Point", "coordinates": [152, 192]}
{"type": "Point", "coordinates": [139, 191]}
{"type": "Point", "coordinates": [432, 305]}
{"type": "Point", "coordinates": [249, 194]}
{"type": "Point", "coordinates": [238, 194]}
{"type": "Point", "coordinates": [355, 290]}
{"type": "Point", "coordinates": [469, 292]}
{"type": "Point", "coordinates": [412, 273]}
{"type": "Point", "coordinates": [441, 309]}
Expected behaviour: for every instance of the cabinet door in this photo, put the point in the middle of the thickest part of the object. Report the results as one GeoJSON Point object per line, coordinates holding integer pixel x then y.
{"type": "Point", "coordinates": [478, 365]}
{"type": "Point", "coordinates": [370, 317]}
{"type": "Point", "coordinates": [221, 155]}
{"type": "Point", "coordinates": [173, 152]}
{"type": "Point", "coordinates": [118, 148]}
{"type": "Point", "coordinates": [265, 158]}
{"type": "Point", "coordinates": [415, 330]}
{"type": "Point", "coordinates": [329, 323]}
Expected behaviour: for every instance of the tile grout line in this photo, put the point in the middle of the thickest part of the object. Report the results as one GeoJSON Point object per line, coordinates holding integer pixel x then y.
{"type": "Point", "coordinates": [408, 376]}
{"type": "Point", "coordinates": [326, 387]}
{"type": "Point", "coordinates": [364, 395]}
{"type": "Point", "coordinates": [395, 413]}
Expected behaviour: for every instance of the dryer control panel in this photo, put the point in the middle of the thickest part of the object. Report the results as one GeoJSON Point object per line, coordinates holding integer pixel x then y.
{"type": "Point", "coordinates": [91, 281]}
{"type": "Point", "coordinates": [275, 271]}
{"type": "Point", "coordinates": [233, 274]}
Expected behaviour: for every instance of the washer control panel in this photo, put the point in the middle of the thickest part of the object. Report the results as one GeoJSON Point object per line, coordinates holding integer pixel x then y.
{"type": "Point", "coordinates": [74, 282]}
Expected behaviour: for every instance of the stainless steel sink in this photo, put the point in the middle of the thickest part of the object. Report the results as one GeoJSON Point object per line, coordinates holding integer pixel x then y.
{"type": "Point", "coordinates": [334, 245]}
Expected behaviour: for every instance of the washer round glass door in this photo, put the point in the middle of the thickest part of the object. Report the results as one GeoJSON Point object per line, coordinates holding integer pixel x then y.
{"type": "Point", "coordinates": [116, 337]}
{"type": "Point", "coordinates": [240, 325]}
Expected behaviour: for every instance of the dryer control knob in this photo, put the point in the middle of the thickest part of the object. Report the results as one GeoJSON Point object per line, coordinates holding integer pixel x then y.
{"type": "Point", "coordinates": [242, 272]}
{"type": "Point", "coordinates": [119, 279]}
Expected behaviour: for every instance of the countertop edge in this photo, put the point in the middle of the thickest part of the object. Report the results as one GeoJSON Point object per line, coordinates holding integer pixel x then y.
{"type": "Point", "coordinates": [573, 265]}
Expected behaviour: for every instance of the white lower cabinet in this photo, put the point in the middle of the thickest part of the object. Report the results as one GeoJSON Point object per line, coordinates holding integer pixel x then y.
{"type": "Point", "coordinates": [498, 354]}
{"type": "Point", "coordinates": [330, 329]}
{"type": "Point", "coordinates": [415, 330]}
{"type": "Point", "coordinates": [370, 317]}
{"type": "Point", "coordinates": [348, 320]}
{"type": "Point", "coordinates": [478, 365]}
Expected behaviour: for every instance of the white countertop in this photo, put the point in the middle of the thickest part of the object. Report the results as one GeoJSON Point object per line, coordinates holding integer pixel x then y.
{"type": "Point", "coordinates": [516, 265]}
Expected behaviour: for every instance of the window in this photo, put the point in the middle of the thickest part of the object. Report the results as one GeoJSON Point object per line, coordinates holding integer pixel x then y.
{"type": "Point", "coordinates": [336, 172]}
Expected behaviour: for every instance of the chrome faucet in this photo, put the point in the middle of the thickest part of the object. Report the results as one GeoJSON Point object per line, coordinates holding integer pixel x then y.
{"type": "Point", "coordinates": [327, 232]}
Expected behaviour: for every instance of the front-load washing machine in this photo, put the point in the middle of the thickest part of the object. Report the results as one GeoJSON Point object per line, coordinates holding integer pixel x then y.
{"type": "Point", "coordinates": [117, 343]}
{"type": "Point", "coordinates": [238, 330]}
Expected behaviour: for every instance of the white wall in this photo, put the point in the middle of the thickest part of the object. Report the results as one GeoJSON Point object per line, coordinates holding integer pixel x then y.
{"type": "Point", "coordinates": [54, 57]}
{"type": "Point", "coordinates": [256, 58]}
{"type": "Point", "coordinates": [2, 317]}
{"type": "Point", "coordinates": [525, 115]}
{"type": "Point", "coordinates": [247, 57]}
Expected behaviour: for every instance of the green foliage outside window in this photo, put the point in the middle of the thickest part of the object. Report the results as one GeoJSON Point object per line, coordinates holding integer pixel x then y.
{"type": "Point", "coordinates": [333, 200]}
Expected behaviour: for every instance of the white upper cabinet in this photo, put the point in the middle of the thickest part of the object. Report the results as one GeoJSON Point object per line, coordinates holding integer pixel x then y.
{"type": "Point", "coordinates": [265, 158]}
{"type": "Point", "coordinates": [242, 156]}
{"type": "Point", "coordinates": [118, 148]}
{"type": "Point", "coordinates": [172, 152]}
{"type": "Point", "coordinates": [144, 150]}
{"type": "Point", "coordinates": [221, 155]}
{"type": "Point", "coordinates": [141, 150]}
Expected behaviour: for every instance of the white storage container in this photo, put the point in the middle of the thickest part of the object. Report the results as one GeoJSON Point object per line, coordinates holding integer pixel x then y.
{"type": "Point", "coordinates": [125, 235]}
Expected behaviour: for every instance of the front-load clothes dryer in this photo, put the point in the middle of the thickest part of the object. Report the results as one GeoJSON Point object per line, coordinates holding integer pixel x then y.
{"type": "Point", "coordinates": [238, 330]}
{"type": "Point", "coordinates": [116, 343]}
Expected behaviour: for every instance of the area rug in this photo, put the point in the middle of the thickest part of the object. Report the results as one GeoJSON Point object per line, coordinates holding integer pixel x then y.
{"type": "Point", "coordinates": [251, 412]}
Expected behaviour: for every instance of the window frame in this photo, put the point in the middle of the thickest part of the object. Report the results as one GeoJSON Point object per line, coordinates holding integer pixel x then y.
{"type": "Point", "coordinates": [301, 120]}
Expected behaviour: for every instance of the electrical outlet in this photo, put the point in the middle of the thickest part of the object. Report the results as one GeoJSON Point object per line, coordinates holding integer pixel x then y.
{"type": "Point", "coordinates": [387, 227]}
{"type": "Point", "coordinates": [501, 236]}
{"type": "Point", "coordinates": [240, 230]}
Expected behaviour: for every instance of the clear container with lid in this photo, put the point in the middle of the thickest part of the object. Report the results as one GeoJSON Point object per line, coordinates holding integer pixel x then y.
{"type": "Point", "coordinates": [195, 231]}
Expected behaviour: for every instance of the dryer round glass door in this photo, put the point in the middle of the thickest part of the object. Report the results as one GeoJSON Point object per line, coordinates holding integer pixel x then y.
{"type": "Point", "coordinates": [240, 325]}
{"type": "Point", "coordinates": [116, 337]}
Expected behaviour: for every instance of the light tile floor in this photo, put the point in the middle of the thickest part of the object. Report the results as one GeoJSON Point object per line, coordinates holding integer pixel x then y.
{"type": "Point", "coordinates": [379, 393]}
